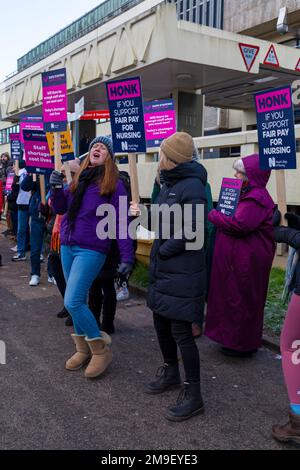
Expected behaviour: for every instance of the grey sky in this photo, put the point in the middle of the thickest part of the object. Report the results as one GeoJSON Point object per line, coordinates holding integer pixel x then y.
{"type": "Point", "coordinates": [27, 23]}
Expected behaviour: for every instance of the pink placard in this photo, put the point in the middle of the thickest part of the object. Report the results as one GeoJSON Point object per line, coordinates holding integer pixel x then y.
{"type": "Point", "coordinates": [232, 183]}
{"type": "Point", "coordinates": [123, 90]}
{"type": "Point", "coordinates": [273, 100]}
{"type": "Point", "coordinates": [160, 125]}
{"type": "Point", "coordinates": [9, 182]}
{"type": "Point", "coordinates": [55, 103]}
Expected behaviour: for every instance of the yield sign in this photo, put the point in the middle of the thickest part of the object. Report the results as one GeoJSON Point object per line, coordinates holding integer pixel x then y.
{"type": "Point", "coordinates": [249, 54]}
{"type": "Point", "coordinates": [271, 57]}
{"type": "Point", "coordinates": [298, 66]}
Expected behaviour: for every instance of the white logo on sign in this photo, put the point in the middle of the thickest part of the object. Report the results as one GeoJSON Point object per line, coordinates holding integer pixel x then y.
{"type": "Point", "coordinates": [249, 54]}
{"type": "Point", "coordinates": [124, 146]}
{"type": "Point", "coordinates": [272, 162]}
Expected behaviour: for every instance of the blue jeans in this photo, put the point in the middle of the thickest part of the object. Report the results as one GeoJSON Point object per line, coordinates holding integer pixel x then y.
{"type": "Point", "coordinates": [37, 231]}
{"type": "Point", "coordinates": [81, 267]}
{"type": "Point", "coordinates": [23, 217]}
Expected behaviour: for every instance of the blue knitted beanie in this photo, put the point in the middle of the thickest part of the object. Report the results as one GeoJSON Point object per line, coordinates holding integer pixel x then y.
{"type": "Point", "coordinates": [106, 141]}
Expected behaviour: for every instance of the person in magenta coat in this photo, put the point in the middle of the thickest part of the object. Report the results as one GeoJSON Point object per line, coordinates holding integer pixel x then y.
{"type": "Point", "coordinates": [244, 252]}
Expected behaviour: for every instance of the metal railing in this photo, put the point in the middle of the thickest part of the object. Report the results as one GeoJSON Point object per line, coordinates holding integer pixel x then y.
{"type": "Point", "coordinates": [79, 28]}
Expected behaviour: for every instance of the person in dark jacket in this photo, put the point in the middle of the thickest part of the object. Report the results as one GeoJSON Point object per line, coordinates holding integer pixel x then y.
{"type": "Point", "coordinates": [290, 335]}
{"type": "Point", "coordinates": [177, 285]}
{"type": "Point", "coordinates": [37, 227]}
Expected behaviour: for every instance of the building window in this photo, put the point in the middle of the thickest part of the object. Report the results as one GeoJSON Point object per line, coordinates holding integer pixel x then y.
{"type": "Point", "coordinates": [207, 12]}
{"type": "Point", "coordinates": [4, 134]}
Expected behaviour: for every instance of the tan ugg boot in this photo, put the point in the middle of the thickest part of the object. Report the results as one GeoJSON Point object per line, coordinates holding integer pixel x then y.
{"type": "Point", "coordinates": [290, 432]}
{"type": "Point", "coordinates": [82, 355]}
{"type": "Point", "coordinates": [101, 357]}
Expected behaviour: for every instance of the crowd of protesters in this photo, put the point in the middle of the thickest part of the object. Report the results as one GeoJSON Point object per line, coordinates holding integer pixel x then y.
{"type": "Point", "coordinates": [229, 273]}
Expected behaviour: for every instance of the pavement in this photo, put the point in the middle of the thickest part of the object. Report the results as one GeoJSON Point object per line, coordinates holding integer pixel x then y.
{"type": "Point", "coordinates": [43, 406]}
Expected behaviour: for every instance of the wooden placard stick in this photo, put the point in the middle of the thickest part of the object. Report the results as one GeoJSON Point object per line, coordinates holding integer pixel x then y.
{"type": "Point", "coordinates": [43, 189]}
{"type": "Point", "coordinates": [68, 172]}
{"type": "Point", "coordinates": [17, 167]}
{"type": "Point", "coordinates": [57, 151]}
{"type": "Point", "coordinates": [135, 193]}
{"type": "Point", "coordinates": [281, 201]}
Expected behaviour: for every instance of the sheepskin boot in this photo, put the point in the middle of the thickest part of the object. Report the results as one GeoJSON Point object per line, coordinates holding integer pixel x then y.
{"type": "Point", "coordinates": [101, 356]}
{"type": "Point", "coordinates": [82, 355]}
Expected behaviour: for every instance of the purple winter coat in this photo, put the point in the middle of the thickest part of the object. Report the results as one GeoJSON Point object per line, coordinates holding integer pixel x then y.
{"type": "Point", "coordinates": [84, 233]}
{"type": "Point", "coordinates": [243, 256]}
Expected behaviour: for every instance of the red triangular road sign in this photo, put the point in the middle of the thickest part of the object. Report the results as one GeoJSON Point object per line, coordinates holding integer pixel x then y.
{"type": "Point", "coordinates": [298, 66]}
{"type": "Point", "coordinates": [271, 57]}
{"type": "Point", "coordinates": [249, 54]}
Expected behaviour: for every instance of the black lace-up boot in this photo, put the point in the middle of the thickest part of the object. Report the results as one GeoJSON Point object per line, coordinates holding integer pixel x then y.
{"type": "Point", "coordinates": [189, 403]}
{"type": "Point", "coordinates": [167, 377]}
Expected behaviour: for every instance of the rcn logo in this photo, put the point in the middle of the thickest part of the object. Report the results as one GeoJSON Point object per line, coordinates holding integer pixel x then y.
{"type": "Point", "coordinates": [272, 162]}
{"type": "Point", "coordinates": [124, 146]}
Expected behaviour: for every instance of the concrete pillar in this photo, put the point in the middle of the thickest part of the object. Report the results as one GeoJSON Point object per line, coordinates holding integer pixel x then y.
{"type": "Point", "coordinates": [249, 149]}
{"type": "Point", "coordinates": [248, 119]}
{"type": "Point", "coordinates": [190, 113]}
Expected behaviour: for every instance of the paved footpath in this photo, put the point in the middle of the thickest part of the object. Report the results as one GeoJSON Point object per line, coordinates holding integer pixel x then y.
{"type": "Point", "coordinates": [43, 406]}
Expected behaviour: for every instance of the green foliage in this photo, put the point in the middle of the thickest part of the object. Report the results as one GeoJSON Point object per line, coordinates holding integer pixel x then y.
{"type": "Point", "coordinates": [140, 276]}
{"type": "Point", "coordinates": [275, 310]}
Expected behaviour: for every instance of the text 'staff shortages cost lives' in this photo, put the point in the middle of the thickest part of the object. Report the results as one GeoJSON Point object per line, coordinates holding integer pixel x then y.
{"type": "Point", "coordinates": [127, 115]}
{"type": "Point", "coordinates": [38, 158]}
{"type": "Point", "coordinates": [276, 129]}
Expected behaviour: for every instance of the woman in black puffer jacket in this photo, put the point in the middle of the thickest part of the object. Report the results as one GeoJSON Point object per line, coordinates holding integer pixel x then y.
{"type": "Point", "coordinates": [178, 277]}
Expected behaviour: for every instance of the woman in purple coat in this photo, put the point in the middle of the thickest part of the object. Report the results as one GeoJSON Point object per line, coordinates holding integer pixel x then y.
{"type": "Point", "coordinates": [84, 249]}
{"type": "Point", "coordinates": [243, 257]}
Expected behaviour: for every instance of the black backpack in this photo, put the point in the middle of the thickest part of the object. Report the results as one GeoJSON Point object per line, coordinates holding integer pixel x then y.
{"type": "Point", "coordinates": [125, 178]}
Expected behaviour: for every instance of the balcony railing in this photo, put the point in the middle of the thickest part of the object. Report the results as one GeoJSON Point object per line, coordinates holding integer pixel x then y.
{"type": "Point", "coordinates": [79, 28]}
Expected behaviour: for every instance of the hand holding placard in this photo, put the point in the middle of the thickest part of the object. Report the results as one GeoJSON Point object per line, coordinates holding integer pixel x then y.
{"type": "Point", "coordinates": [229, 196]}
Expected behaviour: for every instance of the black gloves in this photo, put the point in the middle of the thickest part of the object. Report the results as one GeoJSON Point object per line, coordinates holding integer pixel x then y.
{"type": "Point", "coordinates": [44, 210]}
{"type": "Point", "coordinates": [125, 269]}
{"type": "Point", "coordinates": [276, 218]}
{"type": "Point", "coordinates": [57, 180]}
{"type": "Point", "coordinates": [288, 235]}
{"type": "Point", "coordinates": [293, 220]}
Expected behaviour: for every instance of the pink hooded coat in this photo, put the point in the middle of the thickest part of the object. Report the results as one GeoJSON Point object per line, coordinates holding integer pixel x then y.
{"type": "Point", "coordinates": [243, 256]}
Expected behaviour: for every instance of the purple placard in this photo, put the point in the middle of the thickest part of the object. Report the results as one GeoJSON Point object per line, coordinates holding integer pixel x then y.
{"type": "Point", "coordinates": [32, 123]}
{"type": "Point", "coordinates": [160, 121]}
{"type": "Point", "coordinates": [229, 196]}
{"type": "Point", "coordinates": [276, 129]}
{"type": "Point", "coordinates": [126, 108]}
{"type": "Point", "coordinates": [38, 158]}
{"type": "Point", "coordinates": [55, 102]}
{"type": "Point", "coordinates": [15, 146]}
